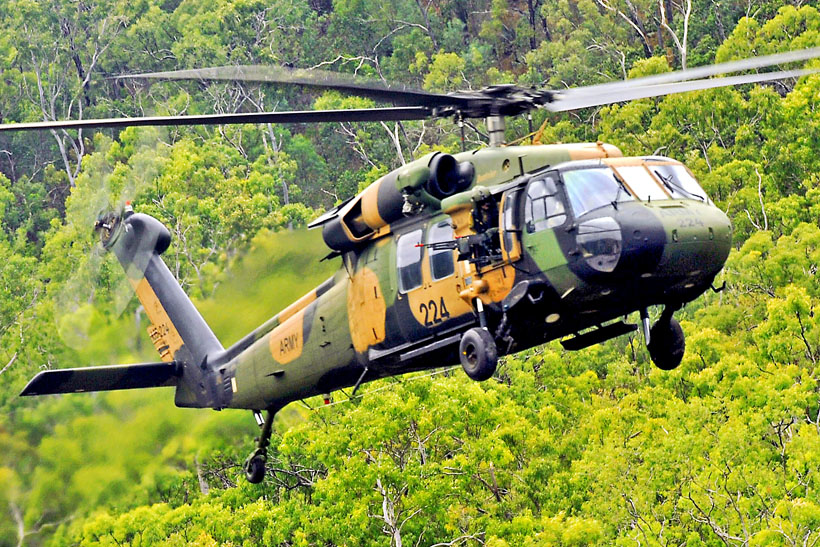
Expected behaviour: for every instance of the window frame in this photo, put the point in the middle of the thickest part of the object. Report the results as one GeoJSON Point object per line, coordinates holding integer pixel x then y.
{"type": "Point", "coordinates": [637, 191]}
{"type": "Point", "coordinates": [626, 190]}
{"type": "Point", "coordinates": [510, 224]}
{"type": "Point", "coordinates": [687, 194]}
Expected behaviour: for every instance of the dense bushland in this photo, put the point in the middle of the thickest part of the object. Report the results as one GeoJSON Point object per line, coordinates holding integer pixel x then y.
{"type": "Point", "coordinates": [560, 448]}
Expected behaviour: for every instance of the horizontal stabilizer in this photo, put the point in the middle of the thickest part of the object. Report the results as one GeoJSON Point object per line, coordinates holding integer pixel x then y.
{"type": "Point", "coordinates": [76, 380]}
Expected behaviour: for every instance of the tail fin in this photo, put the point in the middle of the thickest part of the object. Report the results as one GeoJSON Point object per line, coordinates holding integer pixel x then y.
{"type": "Point", "coordinates": [178, 331]}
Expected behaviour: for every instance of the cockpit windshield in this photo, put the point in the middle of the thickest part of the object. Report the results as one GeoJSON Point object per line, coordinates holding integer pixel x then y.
{"type": "Point", "coordinates": [679, 182]}
{"type": "Point", "coordinates": [589, 189]}
{"type": "Point", "coordinates": [642, 183]}
{"type": "Point", "coordinates": [646, 181]}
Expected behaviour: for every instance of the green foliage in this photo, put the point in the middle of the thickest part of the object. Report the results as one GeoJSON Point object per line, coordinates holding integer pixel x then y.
{"type": "Point", "coordinates": [276, 268]}
{"type": "Point", "coordinates": [445, 72]}
{"type": "Point", "coordinates": [593, 447]}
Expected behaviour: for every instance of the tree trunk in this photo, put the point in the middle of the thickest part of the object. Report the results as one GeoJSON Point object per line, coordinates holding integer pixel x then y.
{"type": "Point", "coordinates": [669, 12]}
{"type": "Point", "coordinates": [423, 11]}
{"type": "Point", "coordinates": [532, 8]}
{"type": "Point", "coordinates": [680, 42]}
{"type": "Point", "coordinates": [719, 21]}
{"type": "Point", "coordinates": [638, 24]}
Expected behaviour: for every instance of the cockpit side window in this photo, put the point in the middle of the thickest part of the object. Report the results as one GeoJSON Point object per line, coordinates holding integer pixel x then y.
{"type": "Point", "coordinates": [543, 208]}
{"type": "Point", "coordinates": [510, 218]}
{"type": "Point", "coordinates": [408, 260]}
{"type": "Point", "coordinates": [442, 263]}
{"type": "Point", "coordinates": [589, 189]}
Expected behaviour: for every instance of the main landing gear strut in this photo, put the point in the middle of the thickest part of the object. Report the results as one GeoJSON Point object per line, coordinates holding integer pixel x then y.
{"type": "Point", "coordinates": [255, 464]}
{"type": "Point", "coordinates": [665, 341]}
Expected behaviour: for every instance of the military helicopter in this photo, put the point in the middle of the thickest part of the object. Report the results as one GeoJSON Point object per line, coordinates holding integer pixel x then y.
{"type": "Point", "coordinates": [450, 258]}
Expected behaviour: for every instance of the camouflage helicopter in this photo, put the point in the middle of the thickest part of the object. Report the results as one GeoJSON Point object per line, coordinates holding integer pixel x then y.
{"type": "Point", "coordinates": [450, 258]}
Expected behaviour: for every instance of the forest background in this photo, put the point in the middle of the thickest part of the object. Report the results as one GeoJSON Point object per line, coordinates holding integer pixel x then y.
{"type": "Point", "coordinates": [592, 447]}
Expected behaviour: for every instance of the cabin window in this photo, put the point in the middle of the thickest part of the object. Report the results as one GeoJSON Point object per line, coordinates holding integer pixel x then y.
{"type": "Point", "coordinates": [442, 263]}
{"type": "Point", "coordinates": [590, 189]}
{"type": "Point", "coordinates": [544, 208]}
{"type": "Point", "coordinates": [679, 182]}
{"type": "Point", "coordinates": [408, 260]}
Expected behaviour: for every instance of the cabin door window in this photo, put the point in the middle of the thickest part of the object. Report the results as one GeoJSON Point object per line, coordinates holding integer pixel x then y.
{"type": "Point", "coordinates": [408, 261]}
{"type": "Point", "coordinates": [428, 281]}
{"type": "Point", "coordinates": [442, 260]}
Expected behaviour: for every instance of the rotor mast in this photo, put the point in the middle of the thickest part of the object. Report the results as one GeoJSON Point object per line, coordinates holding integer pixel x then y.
{"type": "Point", "coordinates": [496, 127]}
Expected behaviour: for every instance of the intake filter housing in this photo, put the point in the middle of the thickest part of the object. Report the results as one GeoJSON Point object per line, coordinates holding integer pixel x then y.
{"type": "Point", "coordinates": [426, 180]}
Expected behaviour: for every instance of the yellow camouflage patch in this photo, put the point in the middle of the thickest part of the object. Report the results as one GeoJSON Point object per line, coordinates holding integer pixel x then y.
{"type": "Point", "coordinates": [366, 310]}
{"type": "Point", "coordinates": [163, 334]}
{"type": "Point", "coordinates": [286, 340]}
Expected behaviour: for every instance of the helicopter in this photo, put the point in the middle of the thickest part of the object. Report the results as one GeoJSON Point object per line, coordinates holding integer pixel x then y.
{"type": "Point", "coordinates": [451, 258]}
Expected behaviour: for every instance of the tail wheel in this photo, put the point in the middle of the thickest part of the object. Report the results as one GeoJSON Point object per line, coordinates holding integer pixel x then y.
{"type": "Point", "coordinates": [255, 468]}
{"type": "Point", "coordinates": [478, 354]}
{"type": "Point", "coordinates": [666, 344]}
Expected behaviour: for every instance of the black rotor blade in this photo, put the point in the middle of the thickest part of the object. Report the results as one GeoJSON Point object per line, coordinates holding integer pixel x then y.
{"type": "Point", "coordinates": [569, 101]}
{"type": "Point", "coordinates": [348, 83]}
{"type": "Point", "coordinates": [700, 72]}
{"type": "Point", "coordinates": [398, 113]}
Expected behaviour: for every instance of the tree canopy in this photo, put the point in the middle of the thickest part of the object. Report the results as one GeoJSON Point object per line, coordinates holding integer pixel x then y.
{"type": "Point", "coordinates": [559, 448]}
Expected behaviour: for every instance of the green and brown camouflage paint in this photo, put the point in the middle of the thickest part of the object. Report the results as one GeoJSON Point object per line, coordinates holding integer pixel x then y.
{"type": "Point", "coordinates": [358, 325]}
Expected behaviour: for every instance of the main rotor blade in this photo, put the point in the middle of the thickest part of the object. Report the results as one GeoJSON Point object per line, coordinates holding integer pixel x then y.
{"type": "Point", "coordinates": [396, 93]}
{"type": "Point", "coordinates": [570, 101]}
{"type": "Point", "coordinates": [700, 72]}
{"type": "Point", "coordinates": [397, 113]}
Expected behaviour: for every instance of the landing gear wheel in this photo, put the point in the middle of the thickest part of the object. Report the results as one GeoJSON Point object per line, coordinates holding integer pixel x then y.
{"type": "Point", "coordinates": [255, 464]}
{"type": "Point", "coordinates": [478, 354]}
{"type": "Point", "coordinates": [666, 344]}
{"type": "Point", "coordinates": [255, 467]}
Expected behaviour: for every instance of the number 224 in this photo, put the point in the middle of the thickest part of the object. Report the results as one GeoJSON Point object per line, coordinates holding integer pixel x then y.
{"type": "Point", "coordinates": [434, 313]}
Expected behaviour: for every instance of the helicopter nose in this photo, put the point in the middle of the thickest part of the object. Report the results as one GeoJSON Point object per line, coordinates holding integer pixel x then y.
{"type": "Point", "coordinates": [643, 242]}
{"type": "Point", "coordinates": [698, 240]}
{"type": "Point", "coordinates": [673, 242]}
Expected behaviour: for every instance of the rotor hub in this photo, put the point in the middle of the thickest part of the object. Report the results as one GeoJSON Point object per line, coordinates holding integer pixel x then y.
{"type": "Point", "coordinates": [494, 101]}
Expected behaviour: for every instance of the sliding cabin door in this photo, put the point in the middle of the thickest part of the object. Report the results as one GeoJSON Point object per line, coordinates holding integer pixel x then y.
{"type": "Point", "coordinates": [429, 283]}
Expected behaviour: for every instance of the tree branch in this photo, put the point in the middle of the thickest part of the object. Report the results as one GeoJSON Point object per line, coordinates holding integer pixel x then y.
{"type": "Point", "coordinates": [11, 362]}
